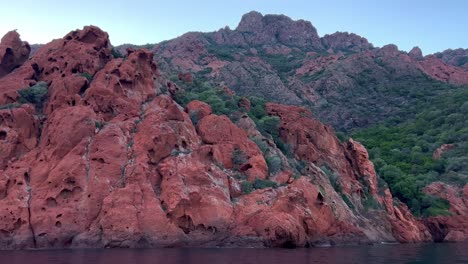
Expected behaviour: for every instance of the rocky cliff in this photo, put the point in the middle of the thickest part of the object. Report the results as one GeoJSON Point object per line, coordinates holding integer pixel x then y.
{"type": "Point", "coordinates": [95, 152]}
{"type": "Point", "coordinates": [13, 52]}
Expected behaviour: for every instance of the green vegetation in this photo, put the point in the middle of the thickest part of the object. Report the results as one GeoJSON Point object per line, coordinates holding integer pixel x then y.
{"type": "Point", "coordinates": [9, 106]}
{"type": "Point", "coordinates": [333, 177]}
{"type": "Point", "coordinates": [35, 95]}
{"type": "Point", "coordinates": [284, 65]}
{"type": "Point", "coordinates": [269, 125]}
{"type": "Point", "coordinates": [376, 95]}
{"type": "Point", "coordinates": [274, 163]}
{"type": "Point", "coordinates": [262, 184]}
{"type": "Point", "coordinates": [99, 125]}
{"type": "Point", "coordinates": [88, 76]}
{"type": "Point", "coordinates": [223, 52]}
{"type": "Point", "coordinates": [402, 153]}
{"type": "Point", "coordinates": [239, 158]}
{"type": "Point", "coordinates": [221, 103]}
{"type": "Point", "coordinates": [348, 201]}
{"type": "Point", "coordinates": [248, 187]}
{"type": "Point", "coordinates": [116, 54]}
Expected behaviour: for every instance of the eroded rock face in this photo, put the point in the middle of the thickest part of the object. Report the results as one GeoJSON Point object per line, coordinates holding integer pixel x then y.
{"type": "Point", "coordinates": [344, 41]}
{"type": "Point", "coordinates": [352, 171]}
{"type": "Point", "coordinates": [441, 71]}
{"type": "Point", "coordinates": [441, 150]}
{"type": "Point", "coordinates": [449, 228]}
{"type": "Point", "coordinates": [416, 53]}
{"type": "Point", "coordinates": [273, 28]}
{"type": "Point", "coordinates": [112, 161]}
{"type": "Point", "coordinates": [13, 52]}
{"type": "Point", "coordinates": [77, 56]}
{"type": "Point", "coordinates": [456, 57]}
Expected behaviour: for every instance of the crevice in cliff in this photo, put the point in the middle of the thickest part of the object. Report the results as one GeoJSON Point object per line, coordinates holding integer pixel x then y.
{"type": "Point", "coordinates": [129, 149]}
{"type": "Point", "coordinates": [86, 157]}
{"type": "Point", "coordinates": [29, 190]}
{"type": "Point", "coordinates": [130, 160]}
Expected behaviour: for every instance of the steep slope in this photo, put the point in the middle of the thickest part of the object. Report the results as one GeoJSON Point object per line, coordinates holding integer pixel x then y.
{"type": "Point", "coordinates": [341, 76]}
{"type": "Point", "coordinates": [457, 57]}
{"type": "Point", "coordinates": [402, 106]}
{"type": "Point", "coordinates": [96, 153]}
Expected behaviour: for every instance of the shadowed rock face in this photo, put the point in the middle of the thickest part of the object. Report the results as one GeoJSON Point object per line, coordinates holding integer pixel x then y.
{"type": "Point", "coordinates": [13, 52]}
{"type": "Point", "coordinates": [457, 57]}
{"type": "Point", "coordinates": [111, 161]}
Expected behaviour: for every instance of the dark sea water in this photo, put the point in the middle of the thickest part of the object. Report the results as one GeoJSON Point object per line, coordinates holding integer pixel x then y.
{"type": "Point", "coordinates": [422, 253]}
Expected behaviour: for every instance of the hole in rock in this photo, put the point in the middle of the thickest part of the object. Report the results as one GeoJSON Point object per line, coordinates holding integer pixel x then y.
{"type": "Point", "coordinates": [100, 160]}
{"type": "Point", "coordinates": [26, 177]}
{"type": "Point", "coordinates": [245, 167]}
{"type": "Point", "coordinates": [288, 244]}
{"type": "Point", "coordinates": [51, 202]}
{"type": "Point", "coordinates": [3, 135]}
{"type": "Point", "coordinates": [83, 88]}
{"type": "Point", "coordinates": [58, 224]}
{"type": "Point", "coordinates": [320, 199]}
{"type": "Point", "coordinates": [65, 193]}
{"type": "Point", "coordinates": [70, 180]}
{"type": "Point", "coordinates": [185, 223]}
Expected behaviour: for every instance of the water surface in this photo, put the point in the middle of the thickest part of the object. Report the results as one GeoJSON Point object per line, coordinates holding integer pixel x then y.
{"type": "Point", "coordinates": [420, 253]}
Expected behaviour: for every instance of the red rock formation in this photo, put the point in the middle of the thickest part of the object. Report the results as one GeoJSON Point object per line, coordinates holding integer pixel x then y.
{"type": "Point", "coordinates": [456, 57]}
{"type": "Point", "coordinates": [231, 146]}
{"type": "Point", "coordinates": [19, 130]}
{"type": "Point", "coordinates": [360, 160]}
{"type": "Point", "coordinates": [277, 28]}
{"type": "Point", "coordinates": [244, 103]}
{"type": "Point", "coordinates": [449, 228]}
{"type": "Point", "coordinates": [59, 60]}
{"type": "Point", "coordinates": [344, 41]}
{"type": "Point", "coordinates": [111, 161]}
{"type": "Point", "coordinates": [416, 53]}
{"type": "Point", "coordinates": [198, 109]}
{"type": "Point", "coordinates": [441, 71]}
{"type": "Point", "coordinates": [314, 142]}
{"type": "Point", "coordinates": [13, 52]}
{"type": "Point", "coordinates": [441, 150]}
{"type": "Point", "coordinates": [186, 77]}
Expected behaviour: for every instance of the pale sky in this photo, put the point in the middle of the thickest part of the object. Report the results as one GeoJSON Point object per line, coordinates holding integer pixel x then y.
{"type": "Point", "coordinates": [432, 25]}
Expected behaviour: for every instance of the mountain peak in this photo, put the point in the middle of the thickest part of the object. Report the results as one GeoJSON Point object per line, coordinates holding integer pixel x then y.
{"type": "Point", "coordinates": [268, 29]}
{"type": "Point", "coordinates": [251, 21]}
{"type": "Point", "coordinates": [416, 53]}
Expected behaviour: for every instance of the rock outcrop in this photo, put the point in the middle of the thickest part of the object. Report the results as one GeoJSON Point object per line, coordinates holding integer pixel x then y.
{"type": "Point", "coordinates": [441, 150]}
{"type": "Point", "coordinates": [453, 228]}
{"type": "Point", "coordinates": [345, 42]}
{"type": "Point", "coordinates": [13, 52]}
{"type": "Point", "coordinates": [259, 30]}
{"type": "Point", "coordinates": [108, 158]}
{"type": "Point", "coordinates": [416, 53]}
{"type": "Point", "coordinates": [457, 57]}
